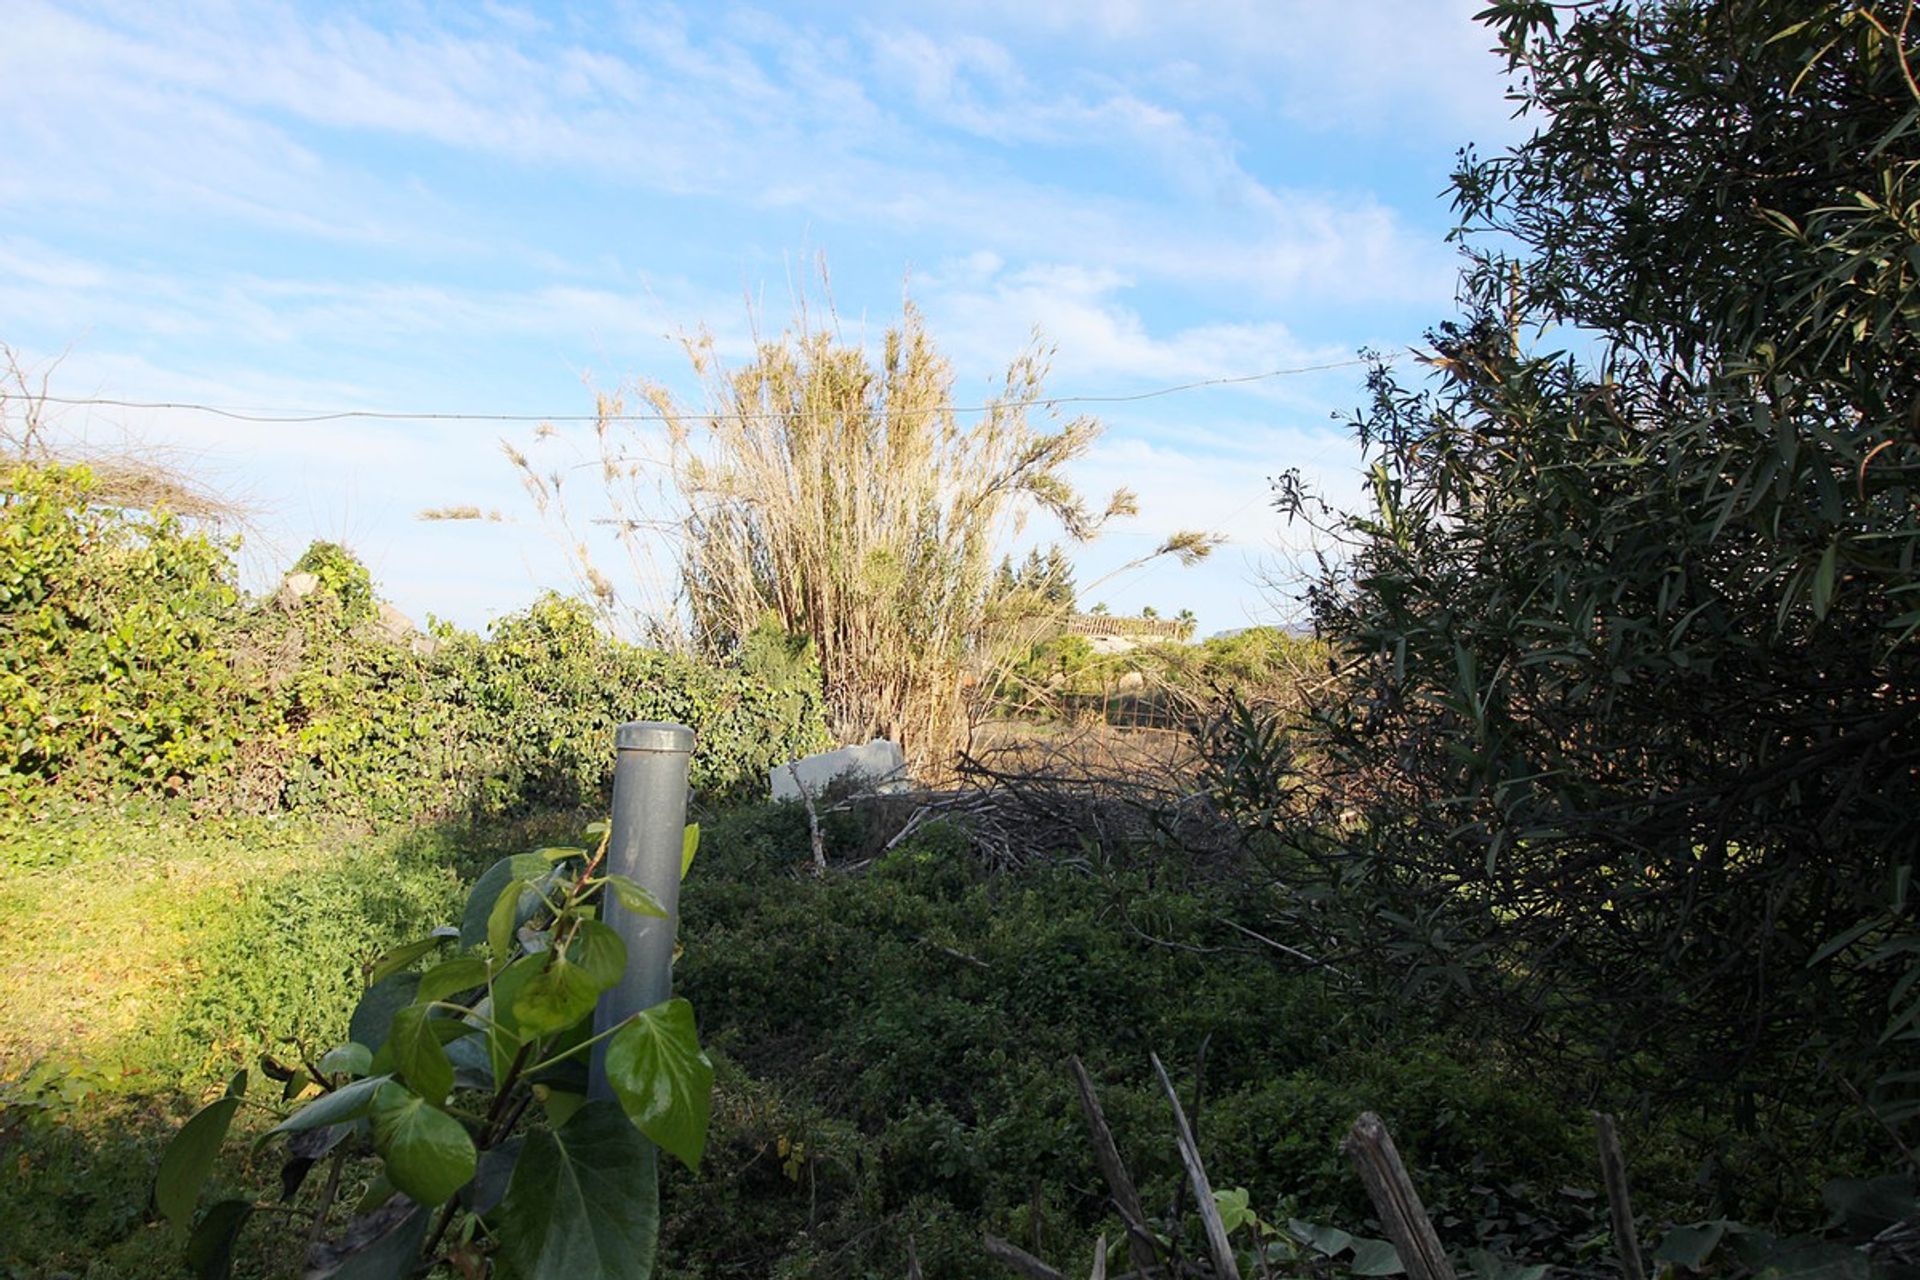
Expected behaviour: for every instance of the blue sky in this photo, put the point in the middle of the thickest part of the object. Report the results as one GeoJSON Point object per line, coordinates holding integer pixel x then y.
{"type": "Point", "coordinates": [499, 208]}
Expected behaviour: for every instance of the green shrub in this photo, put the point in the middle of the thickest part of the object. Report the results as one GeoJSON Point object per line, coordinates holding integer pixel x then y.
{"type": "Point", "coordinates": [113, 632]}
{"type": "Point", "coordinates": [131, 664]}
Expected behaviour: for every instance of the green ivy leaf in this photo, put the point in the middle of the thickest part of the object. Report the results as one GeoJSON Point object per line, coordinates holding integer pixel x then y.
{"type": "Point", "coordinates": [427, 1152]}
{"type": "Point", "coordinates": [188, 1160]}
{"type": "Point", "coordinates": [418, 1054]}
{"type": "Point", "coordinates": [664, 1079]}
{"type": "Point", "coordinates": [583, 1201]}
{"type": "Point", "coordinates": [599, 952]}
{"type": "Point", "coordinates": [555, 998]}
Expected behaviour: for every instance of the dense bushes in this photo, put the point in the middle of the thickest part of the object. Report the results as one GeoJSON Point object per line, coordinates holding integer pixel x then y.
{"type": "Point", "coordinates": [129, 661]}
{"type": "Point", "coordinates": [113, 663]}
{"type": "Point", "coordinates": [1631, 694]}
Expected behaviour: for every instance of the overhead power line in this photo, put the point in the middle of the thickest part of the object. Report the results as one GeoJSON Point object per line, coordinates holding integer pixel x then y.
{"type": "Point", "coordinates": [338, 415]}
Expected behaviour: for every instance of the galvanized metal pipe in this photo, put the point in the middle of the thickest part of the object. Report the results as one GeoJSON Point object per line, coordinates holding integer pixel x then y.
{"type": "Point", "coordinates": [649, 817]}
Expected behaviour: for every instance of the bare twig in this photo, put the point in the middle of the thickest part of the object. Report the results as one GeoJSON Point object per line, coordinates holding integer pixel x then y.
{"type": "Point", "coordinates": [813, 822]}
{"type": "Point", "coordinates": [1284, 949]}
{"type": "Point", "coordinates": [1217, 1242]}
{"type": "Point", "coordinates": [1371, 1149]}
{"type": "Point", "coordinates": [1613, 1169]}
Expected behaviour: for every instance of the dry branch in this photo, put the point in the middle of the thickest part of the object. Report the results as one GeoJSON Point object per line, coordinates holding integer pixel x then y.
{"type": "Point", "coordinates": [1371, 1149]}
{"type": "Point", "coordinates": [1015, 1258]}
{"type": "Point", "coordinates": [1126, 1198]}
{"type": "Point", "coordinates": [1613, 1168]}
{"type": "Point", "coordinates": [1217, 1242]}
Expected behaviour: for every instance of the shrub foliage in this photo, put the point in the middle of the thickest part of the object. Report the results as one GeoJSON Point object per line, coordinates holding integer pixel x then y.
{"type": "Point", "coordinates": [130, 660]}
{"type": "Point", "coordinates": [1630, 631]}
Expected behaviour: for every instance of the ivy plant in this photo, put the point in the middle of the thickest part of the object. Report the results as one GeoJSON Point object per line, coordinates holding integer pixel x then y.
{"type": "Point", "coordinates": [465, 1078]}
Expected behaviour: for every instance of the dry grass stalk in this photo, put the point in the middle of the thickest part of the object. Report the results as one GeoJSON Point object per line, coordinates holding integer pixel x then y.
{"type": "Point", "coordinates": [840, 493]}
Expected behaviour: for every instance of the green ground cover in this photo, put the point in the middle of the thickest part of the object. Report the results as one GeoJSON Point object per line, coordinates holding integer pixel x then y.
{"type": "Point", "coordinates": [891, 1044]}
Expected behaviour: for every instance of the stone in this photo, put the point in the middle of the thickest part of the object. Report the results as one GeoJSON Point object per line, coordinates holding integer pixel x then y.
{"type": "Point", "coordinates": [880, 765]}
{"type": "Point", "coordinates": [298, 586]}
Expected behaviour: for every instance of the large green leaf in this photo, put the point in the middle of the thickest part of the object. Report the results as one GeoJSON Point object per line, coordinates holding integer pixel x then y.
{"type": "Point", "coordinates": [418, 1054]}
{"type": "Point", "coordinates": [450, 977]}
{"type": "Point", "coordinates": [373, 1016]}
{"type": "Point", "coordinates": [663, 1078]}
{"type": "Point", "coordinates": [1690, 1247]}
{"type": "Point", "coordinates": [383, 1244]}
{"type": "Point", "coordinates": [189, 1159]}
{"type": "Point", "coordinates": [583, 1201]}
{"type": "Point", "coordinates": [210, 1248]}
{"type": "Point", "coordinates": [555, 998]}
{"type": "Point", "coordinates": [599, 952]}
{"type": "Point", "coordinates": [506, 918]}
{"type": "Point", "coordinates": [354, 1059]}
{"type": "Point", "coordinates": [428, 1153]}
{"type": "Point", "coordinates": [345, 1103]}
{"type": "Point", "coordinates": [486, 890]}
{"type": "Point", "coordinates": [1376, 1258]}
{"type": "Point", "coordinates": [504, 1036]}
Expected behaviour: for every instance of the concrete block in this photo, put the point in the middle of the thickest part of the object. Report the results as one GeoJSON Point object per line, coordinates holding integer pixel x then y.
{"type": "Point", "coordinates": [880, 762]}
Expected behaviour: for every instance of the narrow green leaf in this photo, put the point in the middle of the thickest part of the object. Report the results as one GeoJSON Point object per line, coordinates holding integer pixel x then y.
{"type": "Point", "coordinates": [1823, 580]}
{"type": "Point", "coordinates": [504, 919]}
{"type": "Point", "coordinates": [427, 1152]}
{"type": "Point", "coordinates": [583, 1201]}
{"type": "Point", "coordinates": [402, 957]}
{"type": "Point", "coordinates": [664, 1079]}
{"type": "Point", "coordinates": [189, 1159]}
{"type": "Point", "coordinates": [689, 845]}
{"type": "Point", "coordinates": [635, 896]}
{"type": "Point", "coordinates": [346, 1103]}
{"type": "Point", "coordinates": [417, 1052]}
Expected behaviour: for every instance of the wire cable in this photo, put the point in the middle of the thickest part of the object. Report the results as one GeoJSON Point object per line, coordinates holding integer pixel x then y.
{"type": "Point", "coordinates": [339, 415]}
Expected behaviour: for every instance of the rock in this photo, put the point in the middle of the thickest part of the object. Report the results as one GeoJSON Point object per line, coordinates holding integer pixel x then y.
{"type": "Point", "coordinates": [296, 587]}
{"type": "Point", "coordinates": [880, 764]}
{"type": "Point", "coordinates": [393, 625]}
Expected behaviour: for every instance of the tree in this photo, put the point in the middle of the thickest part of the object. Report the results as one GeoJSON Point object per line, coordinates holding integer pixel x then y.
{"type": "Point", "coordinates": [845, 494]}
{"type": "Point", "coordinates": [1629, 634]}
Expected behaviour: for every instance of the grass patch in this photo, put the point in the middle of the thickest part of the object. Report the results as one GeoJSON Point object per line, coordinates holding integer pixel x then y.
{"type": "Point", "coordinates": [890, 1044]}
